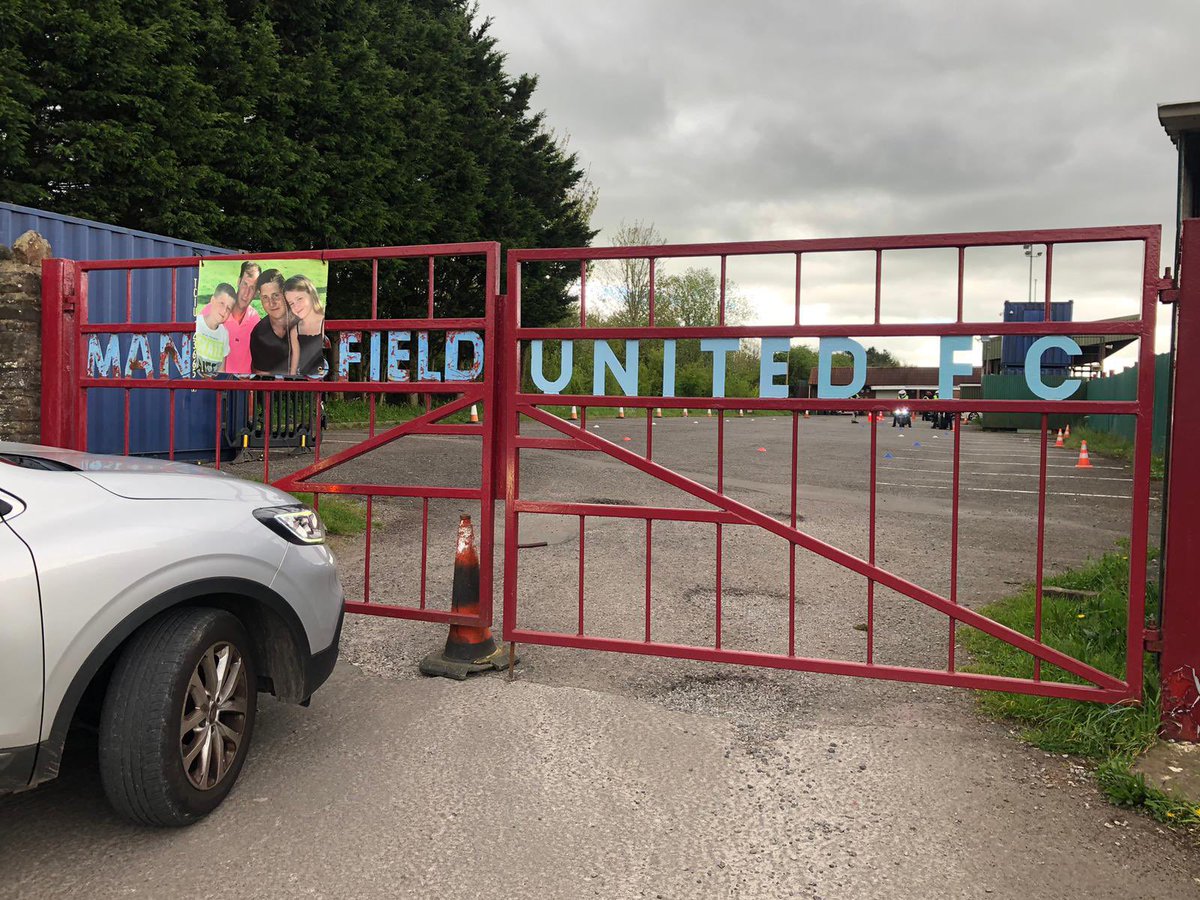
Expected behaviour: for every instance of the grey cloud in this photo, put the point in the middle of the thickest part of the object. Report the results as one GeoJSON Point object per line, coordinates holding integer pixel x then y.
{"type": "Point", "coordinates": [781, 119]}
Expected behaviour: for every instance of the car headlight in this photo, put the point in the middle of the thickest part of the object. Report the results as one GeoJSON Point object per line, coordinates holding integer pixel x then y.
{"type": "Point", "coordinates": [297, 524]}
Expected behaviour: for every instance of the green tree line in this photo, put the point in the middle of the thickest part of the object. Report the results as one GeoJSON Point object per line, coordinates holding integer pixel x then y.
{"type": "Point", "coordinates": [265, 125]}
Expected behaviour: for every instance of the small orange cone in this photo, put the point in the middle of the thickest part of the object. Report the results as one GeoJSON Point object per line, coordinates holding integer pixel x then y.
{"type": "Point", "coordinates": [1067, 433]}
{"type": "Point", "coordinates": [620, 412]}
{"type": "Point", "coordinates": [762, 449]}
{"type": "Point", "coordinates": [1084, 462]}
{"type": "Point", "coordinates": [806, 414]}
{"type": "Point", "coordinates": [474, 413]}
{"type": "Point", "coordinates": [468, 648]}
{"type": "Point", "coordinates": [685, 412]}
{"type": "Point", "coordinates": [1059, 441]}
{"type": "Point", "coordinates": [574, 414]}
{"type": "Point", "coordinates": [710, 412]}
{"type": "Point", "coordinates": [741, 413]}
{"type": "Point", "coordinates": [658, 412]}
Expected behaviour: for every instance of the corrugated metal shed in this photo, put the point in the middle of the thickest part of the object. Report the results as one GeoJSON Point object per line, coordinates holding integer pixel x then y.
{"type": "Point", "coordinates": [80, 239]}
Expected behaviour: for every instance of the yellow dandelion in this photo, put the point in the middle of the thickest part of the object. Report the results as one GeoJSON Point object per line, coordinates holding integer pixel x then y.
{"type": "Point", "coordinates": [1081, 616]}
{"type": "Point", "coordinates": [1170, 815]}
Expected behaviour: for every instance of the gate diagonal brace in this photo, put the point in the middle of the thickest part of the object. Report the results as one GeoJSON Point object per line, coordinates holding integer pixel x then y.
{"type": "Point", "coordinates": [752, 516]}
{"type": "Point", "coordinates": [297, 480]}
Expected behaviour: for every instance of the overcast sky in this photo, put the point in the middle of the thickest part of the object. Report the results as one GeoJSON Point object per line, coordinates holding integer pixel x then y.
{"type": "Point", "coordinates": [772, 119]}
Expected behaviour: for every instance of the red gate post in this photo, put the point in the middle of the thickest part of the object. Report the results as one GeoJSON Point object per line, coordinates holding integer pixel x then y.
{"type": "Point", "coordinates": [1179, 663]}
{"type": "Point", "coordinates": [60, 351]}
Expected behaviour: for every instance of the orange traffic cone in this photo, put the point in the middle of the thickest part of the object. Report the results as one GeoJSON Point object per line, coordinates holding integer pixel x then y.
{"type": "Point", "coordinates": [741, 413]}
{"type": "Point", "coordinates": [574, 414]}
{"type": "Point", "coordinates": [1067, 433]}
{"type": "Point", "coordinates": [685, 412]}
{"type": "Point", "coordinates": [658, 412]}
{"type": "Point", "coordinates": [620, 412]}
{"type": "Point", "coordinates": [474, 413]}
{"type": "Point", "coordinates": [710, 412]}
{"type": "Point", "coordinates": [468, 648]}
{"type": "Point", "coordinates": [806, 414]}
{"type": "Point", "coordinates": [1084, 462]}
{"type": "Point", "coordinates": [1059, 441]}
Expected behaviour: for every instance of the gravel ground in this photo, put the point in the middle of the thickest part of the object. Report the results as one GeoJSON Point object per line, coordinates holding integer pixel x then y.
{"type": "Point", "coordinates": [599, 774]}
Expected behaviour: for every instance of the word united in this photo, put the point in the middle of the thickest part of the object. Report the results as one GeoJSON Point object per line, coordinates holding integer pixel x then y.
{"type": "Point", "coordinates": [772, 381]}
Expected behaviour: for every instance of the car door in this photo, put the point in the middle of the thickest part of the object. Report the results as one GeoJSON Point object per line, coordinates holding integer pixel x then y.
{"type": "Point", "coordinates": [21, 673]}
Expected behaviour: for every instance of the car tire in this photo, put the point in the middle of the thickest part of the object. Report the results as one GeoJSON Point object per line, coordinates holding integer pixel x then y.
{"type": "Point", "coordinates": [159, 711]}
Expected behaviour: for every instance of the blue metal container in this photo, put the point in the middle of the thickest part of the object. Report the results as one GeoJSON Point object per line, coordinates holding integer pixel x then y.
{"type": "Point", "coordinates": [1013, 347]}
{"type": "Point", "coordinates": [149, 411]}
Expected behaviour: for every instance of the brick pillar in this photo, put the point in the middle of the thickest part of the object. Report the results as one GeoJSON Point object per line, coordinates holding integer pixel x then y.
{"type": "Point", "coordinates": [20, 338]}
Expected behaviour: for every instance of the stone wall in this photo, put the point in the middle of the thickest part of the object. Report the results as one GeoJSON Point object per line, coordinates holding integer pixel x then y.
{"type": "Point", "coordinates": [20, 337]}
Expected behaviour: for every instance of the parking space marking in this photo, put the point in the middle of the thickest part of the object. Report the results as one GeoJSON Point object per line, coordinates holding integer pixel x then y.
{"type": "Point", "coordinates": [966, 471]}
{"type": "Point", "coordinates": [946, 487]}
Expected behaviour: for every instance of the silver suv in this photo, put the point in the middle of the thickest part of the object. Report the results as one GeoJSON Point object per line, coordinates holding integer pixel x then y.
{"type": "Point", "coordinates": [152, 600]}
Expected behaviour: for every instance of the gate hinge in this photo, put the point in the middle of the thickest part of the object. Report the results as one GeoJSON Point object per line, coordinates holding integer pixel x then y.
{"type": "Point", "coordinates": [1168, 291]}
{"type": "Point", "coordinates": [1152, 640]}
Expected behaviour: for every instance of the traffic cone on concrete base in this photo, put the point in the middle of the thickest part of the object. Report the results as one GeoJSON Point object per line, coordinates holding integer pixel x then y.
{"type": "Point", "coordinates": [1084, 462]}
{"type": "Point", "coordinates": [468, 648]}
{"type": "Point", "coordinates": [1058, 442]}
{"type": "Point", "coordinates": [474, 413]}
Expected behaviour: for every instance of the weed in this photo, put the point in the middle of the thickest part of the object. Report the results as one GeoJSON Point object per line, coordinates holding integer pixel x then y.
{"type": "Point", "coordinates": [1094, 629]}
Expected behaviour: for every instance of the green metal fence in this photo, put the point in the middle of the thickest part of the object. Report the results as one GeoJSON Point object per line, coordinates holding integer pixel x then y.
{"type": "Point", "coordinates": [1121, 386]}
{"type": "Point", "coordinates": [1013, 387]}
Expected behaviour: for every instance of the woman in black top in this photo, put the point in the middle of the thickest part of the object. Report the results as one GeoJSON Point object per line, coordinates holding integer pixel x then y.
{"type": "Point", "coordinates": [305, 304]}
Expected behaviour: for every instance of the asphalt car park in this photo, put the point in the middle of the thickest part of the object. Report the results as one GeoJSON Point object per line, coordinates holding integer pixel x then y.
{"type": "Point", "coordinates": [596, 774]}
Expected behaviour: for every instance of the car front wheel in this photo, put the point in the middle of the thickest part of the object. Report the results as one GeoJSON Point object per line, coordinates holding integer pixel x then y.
{"type": "Point", "coordinates": [177, 719]}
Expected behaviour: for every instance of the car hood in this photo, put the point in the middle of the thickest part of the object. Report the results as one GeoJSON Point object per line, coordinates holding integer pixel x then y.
{"type": "Point", "coordinates": [137, 478]}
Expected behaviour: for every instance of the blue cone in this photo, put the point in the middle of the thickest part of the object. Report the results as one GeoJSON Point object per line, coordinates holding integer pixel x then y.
{"type": "Point", "coordinates": [888, 455]}
{"type": "Point", "coordinates": [916, 443]}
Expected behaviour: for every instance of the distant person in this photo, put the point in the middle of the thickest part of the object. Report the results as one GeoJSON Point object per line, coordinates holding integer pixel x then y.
{"type": "Point", "coordinates": [242, 320]}
{"type": "Point", "coordinates": [212, 340]}
{"type": "Point", "coordinates": [274, 342]}
{"type": "Point", "coordinates": [305, 304]}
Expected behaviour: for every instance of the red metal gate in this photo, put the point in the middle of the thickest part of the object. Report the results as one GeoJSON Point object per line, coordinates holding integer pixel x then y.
{"type": "Point", "coordinates": [725, 512]}
{"type": "Point", "coordinates": [66, 387]}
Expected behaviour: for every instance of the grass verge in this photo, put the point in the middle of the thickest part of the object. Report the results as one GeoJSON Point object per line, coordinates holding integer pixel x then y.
{"type": "Point", "coordinates": [1104, 443]}
{"type": "Point", "coordinates": [1090, 627]}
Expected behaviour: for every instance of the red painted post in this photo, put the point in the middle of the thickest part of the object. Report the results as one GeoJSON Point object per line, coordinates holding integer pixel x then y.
{"type": "Point", "coordinates": [1179, 663]}
{"type": "Point", "coordinates": [60, 351]}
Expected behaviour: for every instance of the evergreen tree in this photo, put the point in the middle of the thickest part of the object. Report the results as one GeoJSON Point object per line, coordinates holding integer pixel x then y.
{"type": "Point", "coordinates": [290, 124]}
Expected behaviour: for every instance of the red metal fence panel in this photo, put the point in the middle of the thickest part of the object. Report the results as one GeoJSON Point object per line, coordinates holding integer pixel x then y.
{"type": "Point", "coordinates": [520, 406]}
{"type": "Point", "coordinates": [67, 384]}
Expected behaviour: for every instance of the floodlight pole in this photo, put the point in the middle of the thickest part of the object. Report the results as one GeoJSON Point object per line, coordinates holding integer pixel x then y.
{"type": "Point", "coordinates": [1032, 256]}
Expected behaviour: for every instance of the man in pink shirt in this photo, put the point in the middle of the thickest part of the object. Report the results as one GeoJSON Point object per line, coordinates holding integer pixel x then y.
{"type": "Point", "coordinates": [241, 321]}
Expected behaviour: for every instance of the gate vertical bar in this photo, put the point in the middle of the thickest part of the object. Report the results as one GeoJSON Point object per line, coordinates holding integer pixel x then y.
{"type": "Point", "coordinates": [1179, 663]}
{"type": "Point", "coordinates": [60, 350]}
